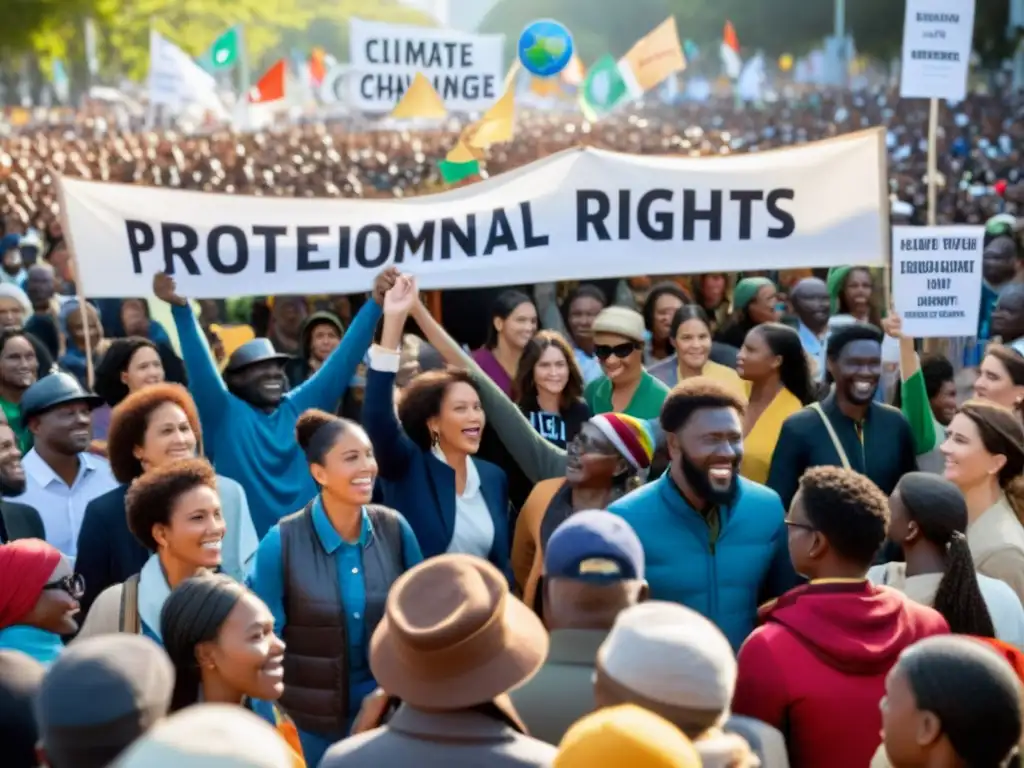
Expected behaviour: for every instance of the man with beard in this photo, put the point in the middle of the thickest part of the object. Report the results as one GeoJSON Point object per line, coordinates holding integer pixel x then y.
{"type": "Point", "coordinates": [811, 304]}
{"type": "Point", "coordinates": [714, 541]}
{"type": "Point", "coordinates": [61, 478]}
{"type": "Point", "coordinates": [249, 416]}
{"type": "Point", "coordinates": [848, 429]}
{"type": "Point", "coordinates": [17, 521]}
{"type": "Point", "coordinates": [1008, 317]}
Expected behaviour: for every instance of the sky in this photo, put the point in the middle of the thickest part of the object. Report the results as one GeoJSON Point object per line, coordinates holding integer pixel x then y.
{"type": "Point", "coordinates": [464, 15]}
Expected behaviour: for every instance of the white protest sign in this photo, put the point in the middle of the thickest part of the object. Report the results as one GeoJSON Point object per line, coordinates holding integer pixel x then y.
{"type": "Point", "coordinates": [937, 37]}
{"type": "Point", "coordinates": [579, 214]}
{"type": "Point", "coordinates": [465, 69]}
{"type": "Point", "coordinates": [936, 279]}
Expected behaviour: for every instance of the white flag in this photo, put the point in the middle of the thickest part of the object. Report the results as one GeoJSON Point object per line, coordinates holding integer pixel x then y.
{"type": "Point", "coordinates": [176, 81]}
{"type": "Point", "coordinates": [750, 85]}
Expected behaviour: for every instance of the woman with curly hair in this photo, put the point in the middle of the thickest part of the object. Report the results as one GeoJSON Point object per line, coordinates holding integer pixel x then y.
{"type": "Point", "coordinates": [132, 363]}
{"type": "Point", "coordinates": [928, 519]}
{"type": "Point", "coordinates": [220, 638]}
{"type": "Point", "coordinates": [174, 511]}
{"type": "Point", "coordinates": [454, 501]}
{"type": "Point", "coordinates": [152, 427]}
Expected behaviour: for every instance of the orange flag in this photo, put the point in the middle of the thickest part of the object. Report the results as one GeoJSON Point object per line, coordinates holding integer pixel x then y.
{"type": "Point", "coordinates": [270, 87]}
{"type": "Point", "coordinates": [317, 66]}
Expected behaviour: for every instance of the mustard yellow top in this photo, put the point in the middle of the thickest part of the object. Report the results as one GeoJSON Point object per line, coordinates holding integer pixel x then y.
{"type": "Point", "coordinates": [759, 444]}
{"type": "Point", "coordinates": [725, 375]}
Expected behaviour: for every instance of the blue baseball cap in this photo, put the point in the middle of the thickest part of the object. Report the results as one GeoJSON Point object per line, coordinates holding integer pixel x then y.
{"type": "Point", "coordinates": [594, 546]}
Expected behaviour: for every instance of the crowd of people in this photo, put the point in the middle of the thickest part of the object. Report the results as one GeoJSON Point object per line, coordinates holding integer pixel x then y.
{"type": "Point", "coordinates": [704, 520]}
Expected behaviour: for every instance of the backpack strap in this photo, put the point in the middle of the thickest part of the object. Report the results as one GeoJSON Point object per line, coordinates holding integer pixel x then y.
{"type": "Point", "coordinates": [832, 434]}
{"type": "Point", "coordinates": [129, 620]}
{"type": "Point", "coordinates": [385, 525]}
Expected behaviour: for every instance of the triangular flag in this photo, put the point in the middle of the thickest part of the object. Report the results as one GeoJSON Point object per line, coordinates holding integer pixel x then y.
{"type": "Point", "coordinates": [461, 154]}
{"type": "Point", "coordinates": [574, 72]}
{"type": "Point", "coordinates": [224, 53]}
{"type": "Point", "coordinates": [603, 88]}
{"type": "Point", "coordinates": [420, 101]}
{"type": "Point", "coordinates": [731, 52]}
{"type": "Point", "coordinates": [653, 58]}
{"type": "Point", "coordinates": [317, 66]}
{"type": "Point", "coordinates": [271, 86]}
{"type": "Point", "coordinates": [498, 123]}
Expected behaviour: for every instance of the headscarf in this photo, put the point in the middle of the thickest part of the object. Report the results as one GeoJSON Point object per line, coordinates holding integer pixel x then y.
{"type": "Point", "coordinates": [746, 291]}
{"type": "Point", "coordinates": [835, 282]}
{"type": "Point", "coordinates": [25, 567]}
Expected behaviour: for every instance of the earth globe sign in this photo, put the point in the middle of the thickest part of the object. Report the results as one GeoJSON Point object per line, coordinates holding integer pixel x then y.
{"type": "Point", "coordinates": [545, 47]}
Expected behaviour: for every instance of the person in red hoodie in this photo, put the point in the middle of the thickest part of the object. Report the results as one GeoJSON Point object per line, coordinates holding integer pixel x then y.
{"type": "Point", "coordinates": [815, 669]}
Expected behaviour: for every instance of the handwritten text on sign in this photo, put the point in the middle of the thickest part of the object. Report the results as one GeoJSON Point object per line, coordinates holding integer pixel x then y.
{"type": "Point", "coordinates": [937, 279]}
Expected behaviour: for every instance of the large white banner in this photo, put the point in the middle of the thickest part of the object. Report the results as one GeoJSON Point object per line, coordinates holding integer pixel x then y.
{"type": "Point", "coordinates": [582, 213]}
{"type": "Point", "coordinates": [465, 69]}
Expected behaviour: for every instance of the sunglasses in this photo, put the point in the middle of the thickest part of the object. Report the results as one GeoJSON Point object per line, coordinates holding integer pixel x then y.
{"type": "Point", "coordinates": [74, 585]}
{"type": "Point", "coordinates": [621, 351]}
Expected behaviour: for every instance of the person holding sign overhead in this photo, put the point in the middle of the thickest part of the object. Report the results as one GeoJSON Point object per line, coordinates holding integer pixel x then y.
{"type": "Point", "coordinates": [249, 416]}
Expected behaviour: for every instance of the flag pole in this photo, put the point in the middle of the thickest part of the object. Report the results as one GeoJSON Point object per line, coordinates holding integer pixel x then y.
{"type": "Point", "coordinates": [151, 108]}
{"type": "Point", "coordinates": [243, 63]}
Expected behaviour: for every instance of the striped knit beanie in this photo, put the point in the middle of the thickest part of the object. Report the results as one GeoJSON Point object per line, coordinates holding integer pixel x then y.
{"type": "Point", "coordinates": [630, 436]}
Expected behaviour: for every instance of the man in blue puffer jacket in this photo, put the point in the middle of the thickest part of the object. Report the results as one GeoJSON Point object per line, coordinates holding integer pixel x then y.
{"type": "Point", "coordinates": [715, 542]}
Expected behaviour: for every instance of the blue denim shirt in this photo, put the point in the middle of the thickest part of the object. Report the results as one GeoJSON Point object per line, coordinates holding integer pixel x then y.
{"type": "Point", "coordinates": [267, 579]}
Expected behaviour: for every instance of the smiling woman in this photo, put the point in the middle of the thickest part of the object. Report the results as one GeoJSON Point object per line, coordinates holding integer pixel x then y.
{"type": "Point", "coordinates": [366, 545]}
{"type": "Point", "coordinates": [549, 389]}
{"type": "Point", "coordinates": [19, 369]}
{"type": "Point", "coordinates": [220, 638]}
{"type": "Point", "coordinates": [151, 428]}
{"type": "Point", "coordinates": [174, 511]}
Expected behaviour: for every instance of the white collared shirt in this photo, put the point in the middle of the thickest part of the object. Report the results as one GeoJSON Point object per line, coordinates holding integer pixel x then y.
{"type": "Point", "coordinates": [62, 508]}
{"type": "Point", "coordinates": [474, 527]}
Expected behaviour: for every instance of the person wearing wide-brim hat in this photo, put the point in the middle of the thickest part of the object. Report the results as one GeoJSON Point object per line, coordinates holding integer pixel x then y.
{"type": "Point", "coordinates": [61, 477]}
{"type": "Point", "coordinates": [452, 643]}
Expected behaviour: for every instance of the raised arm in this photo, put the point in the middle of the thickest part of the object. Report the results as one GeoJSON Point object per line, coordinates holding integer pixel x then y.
{"type": "Point", "coordinates": [539, 459]}
{"type": "Point", "coordinates": [914, 404]}
{"type": "Point", "coordinates": [392, 446]}
{"type": "Point", "coordinates": [205, 383]}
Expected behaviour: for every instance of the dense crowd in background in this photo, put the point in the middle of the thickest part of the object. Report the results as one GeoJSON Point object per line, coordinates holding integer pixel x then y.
{"type": "Point", "coordinates": [725, 520]}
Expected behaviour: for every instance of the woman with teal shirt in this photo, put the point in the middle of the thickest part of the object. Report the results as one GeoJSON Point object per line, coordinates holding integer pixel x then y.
{"type": "Point", "coordinates": [325, 572]}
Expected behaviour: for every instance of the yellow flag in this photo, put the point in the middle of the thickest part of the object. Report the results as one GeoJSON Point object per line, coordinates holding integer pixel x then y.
{"type": "Point", "coordinates": [654, 57]}
{"type": "Point", "coordinates": [545, 87]}
{"type": "Point", "coordinates": [498, 123]}
{"type": "Point", "coordinates": [461, 154]}
{"type": "Point", "coordinates": [420, 101]}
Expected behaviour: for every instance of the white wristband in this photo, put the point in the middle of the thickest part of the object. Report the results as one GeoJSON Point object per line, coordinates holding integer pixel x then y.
{"type": "Point", "coordinates": [384, 360]}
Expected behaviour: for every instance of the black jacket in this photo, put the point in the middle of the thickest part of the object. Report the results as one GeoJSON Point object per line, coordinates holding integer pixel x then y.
{"type": "Point", "coordinates": [108, 553]}
{"type": "Point", "coordinates": [20, 521]}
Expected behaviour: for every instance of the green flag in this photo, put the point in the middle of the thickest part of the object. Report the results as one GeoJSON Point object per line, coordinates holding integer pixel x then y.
{"type": "Point", "coordinates": [223, 54]}
{"type": "Point", "coordinates": [603, 88]}
{"type": "Point", "coordinates": [453, 173]}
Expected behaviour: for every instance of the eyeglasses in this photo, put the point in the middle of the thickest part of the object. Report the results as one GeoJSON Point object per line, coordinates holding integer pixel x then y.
{"type": "Point", "coordinates": [621, 351]}
{"type": "Point", "coordinates": [74, 585]}
{"type": "Point", "coordinates": [802, 526]}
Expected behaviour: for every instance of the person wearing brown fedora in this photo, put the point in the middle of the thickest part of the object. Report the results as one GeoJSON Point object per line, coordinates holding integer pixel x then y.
{"type": "Point", "coordinates": [452, 643]}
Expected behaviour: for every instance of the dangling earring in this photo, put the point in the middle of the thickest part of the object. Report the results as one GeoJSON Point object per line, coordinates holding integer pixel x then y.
{"type": "Point", "coordinates": [435, 439]}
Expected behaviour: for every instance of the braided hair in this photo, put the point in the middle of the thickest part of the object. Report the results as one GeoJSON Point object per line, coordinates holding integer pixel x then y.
{"type": "Point", "coordinates": [192, 614]}
{"type": "Point", "coordinates": [940, 511]}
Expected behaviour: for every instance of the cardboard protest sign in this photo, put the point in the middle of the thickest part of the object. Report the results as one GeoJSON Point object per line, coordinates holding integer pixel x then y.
{"type": "Point", "coordinates": [937, 37]}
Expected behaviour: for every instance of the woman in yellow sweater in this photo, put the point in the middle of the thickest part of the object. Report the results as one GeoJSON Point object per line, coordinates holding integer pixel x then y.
{"type": "Point", "coordinates": [778, 381]}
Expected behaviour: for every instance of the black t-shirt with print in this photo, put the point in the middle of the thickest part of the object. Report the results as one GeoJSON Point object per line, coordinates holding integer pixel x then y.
{"type": "Point", "coordinates": [559, 428]}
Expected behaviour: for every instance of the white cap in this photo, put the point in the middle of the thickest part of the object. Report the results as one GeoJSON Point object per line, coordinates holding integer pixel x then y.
{"type": "Point", "coordinates": [671, 655]}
